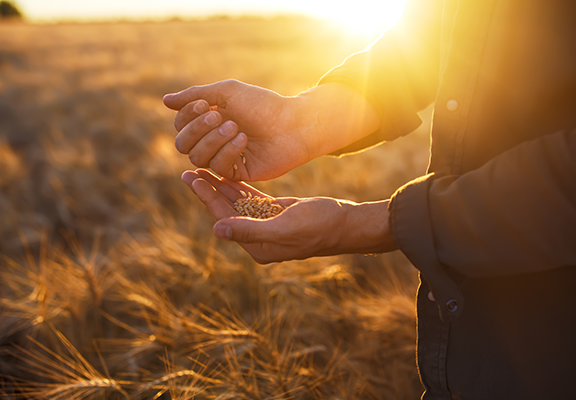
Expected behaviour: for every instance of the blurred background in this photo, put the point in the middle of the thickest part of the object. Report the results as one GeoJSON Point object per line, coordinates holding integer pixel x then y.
{"type": "Point", "coordinates": [111, 283]}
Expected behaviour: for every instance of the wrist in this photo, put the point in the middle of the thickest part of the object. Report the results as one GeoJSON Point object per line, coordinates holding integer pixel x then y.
{"type": "Point", "coordinates": [332, 116]}
{"type": "Point", "coordinates": [366, 228]}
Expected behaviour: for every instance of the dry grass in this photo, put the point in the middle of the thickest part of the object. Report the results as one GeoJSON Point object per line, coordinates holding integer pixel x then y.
{"type": "Point", "coordinates": [111, 284]}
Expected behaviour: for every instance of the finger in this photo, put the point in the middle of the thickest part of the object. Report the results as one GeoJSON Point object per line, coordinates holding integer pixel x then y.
{"type": "Point", "coordinates": [216, 203]}
{"type": "Point", "coordinates": [211, 143]}
{"type": "Point", "coordinates": [228, 161]}
{"type": "Point", "coordinates": [188, 177]}
{"type": "Point", "coordinates": [215, 94]}
{"type": "Point", "coordinates": [230, 193]}
{"type": "Point", "coordinates": [195, 130]}
{"type": "Point", "coordinates": [232, 190]}
{"type": "Point", "coordinates": [190, 112]}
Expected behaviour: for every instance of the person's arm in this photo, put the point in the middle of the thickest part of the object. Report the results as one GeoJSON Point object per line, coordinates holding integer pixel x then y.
{"type": "Point", "coordinates": [516, 214]}
{"type": "Point", "coordinates": [308, 227]}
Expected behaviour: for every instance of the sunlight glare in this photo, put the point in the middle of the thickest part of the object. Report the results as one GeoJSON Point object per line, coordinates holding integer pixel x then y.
{"type": "Point", "coordinates": [362, 17]}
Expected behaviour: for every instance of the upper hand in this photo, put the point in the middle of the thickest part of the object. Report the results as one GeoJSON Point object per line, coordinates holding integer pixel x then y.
{"type": "Point", "coordinates": [306, 228]}
{"type": "Point", "coordinates": [218, 122]}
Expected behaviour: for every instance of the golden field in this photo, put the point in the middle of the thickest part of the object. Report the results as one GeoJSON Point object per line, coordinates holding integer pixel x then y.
{"type": "Point", "coordinates": [111, 283]}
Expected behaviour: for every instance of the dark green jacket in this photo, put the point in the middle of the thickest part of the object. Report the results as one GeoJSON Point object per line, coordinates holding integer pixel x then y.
{"type": "Point", "coordinates": [492, 226]}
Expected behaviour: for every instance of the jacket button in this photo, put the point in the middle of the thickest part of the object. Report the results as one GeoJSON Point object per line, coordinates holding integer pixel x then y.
{"type": "Point", "coordinates": [452, 105]}
{"type": "Point", "coordinates": [431, 296]}
{"type": "Point", "coordinates": [452, 305]}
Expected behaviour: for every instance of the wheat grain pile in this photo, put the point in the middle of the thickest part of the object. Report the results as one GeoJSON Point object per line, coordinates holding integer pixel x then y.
{"type": "Point", "coordinates": [257, 207]}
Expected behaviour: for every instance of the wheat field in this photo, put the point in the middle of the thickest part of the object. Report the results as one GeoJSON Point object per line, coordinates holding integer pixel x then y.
{"type": "Point", "coordinates": [111, 283]}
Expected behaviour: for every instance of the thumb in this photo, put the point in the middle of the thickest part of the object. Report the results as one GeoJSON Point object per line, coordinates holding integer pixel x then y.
{"type": "Point", "coordinates": [214, 94]}
{"type": "Point", "coordinates": [245, 230]}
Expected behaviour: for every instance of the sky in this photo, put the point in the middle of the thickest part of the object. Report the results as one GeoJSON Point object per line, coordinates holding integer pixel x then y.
{"type": "Point", "coordinates": [367, 15]}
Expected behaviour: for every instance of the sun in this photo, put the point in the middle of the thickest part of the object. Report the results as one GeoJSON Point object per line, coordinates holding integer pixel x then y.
{"type": "Point", "coordinates": [362, 17]}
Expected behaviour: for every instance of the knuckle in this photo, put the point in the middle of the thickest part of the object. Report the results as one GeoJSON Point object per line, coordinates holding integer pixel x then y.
{"type": "Point", "coordinates": [230, 83]}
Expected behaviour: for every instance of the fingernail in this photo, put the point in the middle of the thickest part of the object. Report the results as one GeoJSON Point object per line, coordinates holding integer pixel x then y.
{"type": "Point", "coordinates": [226, 128]}
{"type": "Point", "coordinates": [239, 140]}
{"type": "Point", "coordinates": [210, 119]}
{"type": "Point", "coordinates": [187, 178]}
{"type": "Point", "coordinates": [222, 231]}
{"type": "Point", "coordinates": [199, 108]}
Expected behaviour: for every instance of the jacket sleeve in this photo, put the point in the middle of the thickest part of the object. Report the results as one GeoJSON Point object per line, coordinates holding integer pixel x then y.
{"type": "Point", "coordinates": [398, 74]}
{"type": "Point", "coordinates": [516, 214]}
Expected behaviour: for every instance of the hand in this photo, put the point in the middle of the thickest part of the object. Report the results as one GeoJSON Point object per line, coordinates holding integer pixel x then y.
{"type": "Point", "coordinates": [209, 121]}
{"type": "Point", "coordinates": [248, 133]}
{"type": "Point", "coordinates": [308, 227]}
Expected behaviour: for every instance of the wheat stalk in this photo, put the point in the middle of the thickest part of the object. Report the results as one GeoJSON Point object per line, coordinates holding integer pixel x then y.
{"type": "Point", "coordinates": [71, 376]}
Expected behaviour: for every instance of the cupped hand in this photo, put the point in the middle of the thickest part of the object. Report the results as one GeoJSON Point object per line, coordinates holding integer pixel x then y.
{"type": "Point", "coordinates": [307, 227]}
{"type": "Point", "coordinates": [240, 131]}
